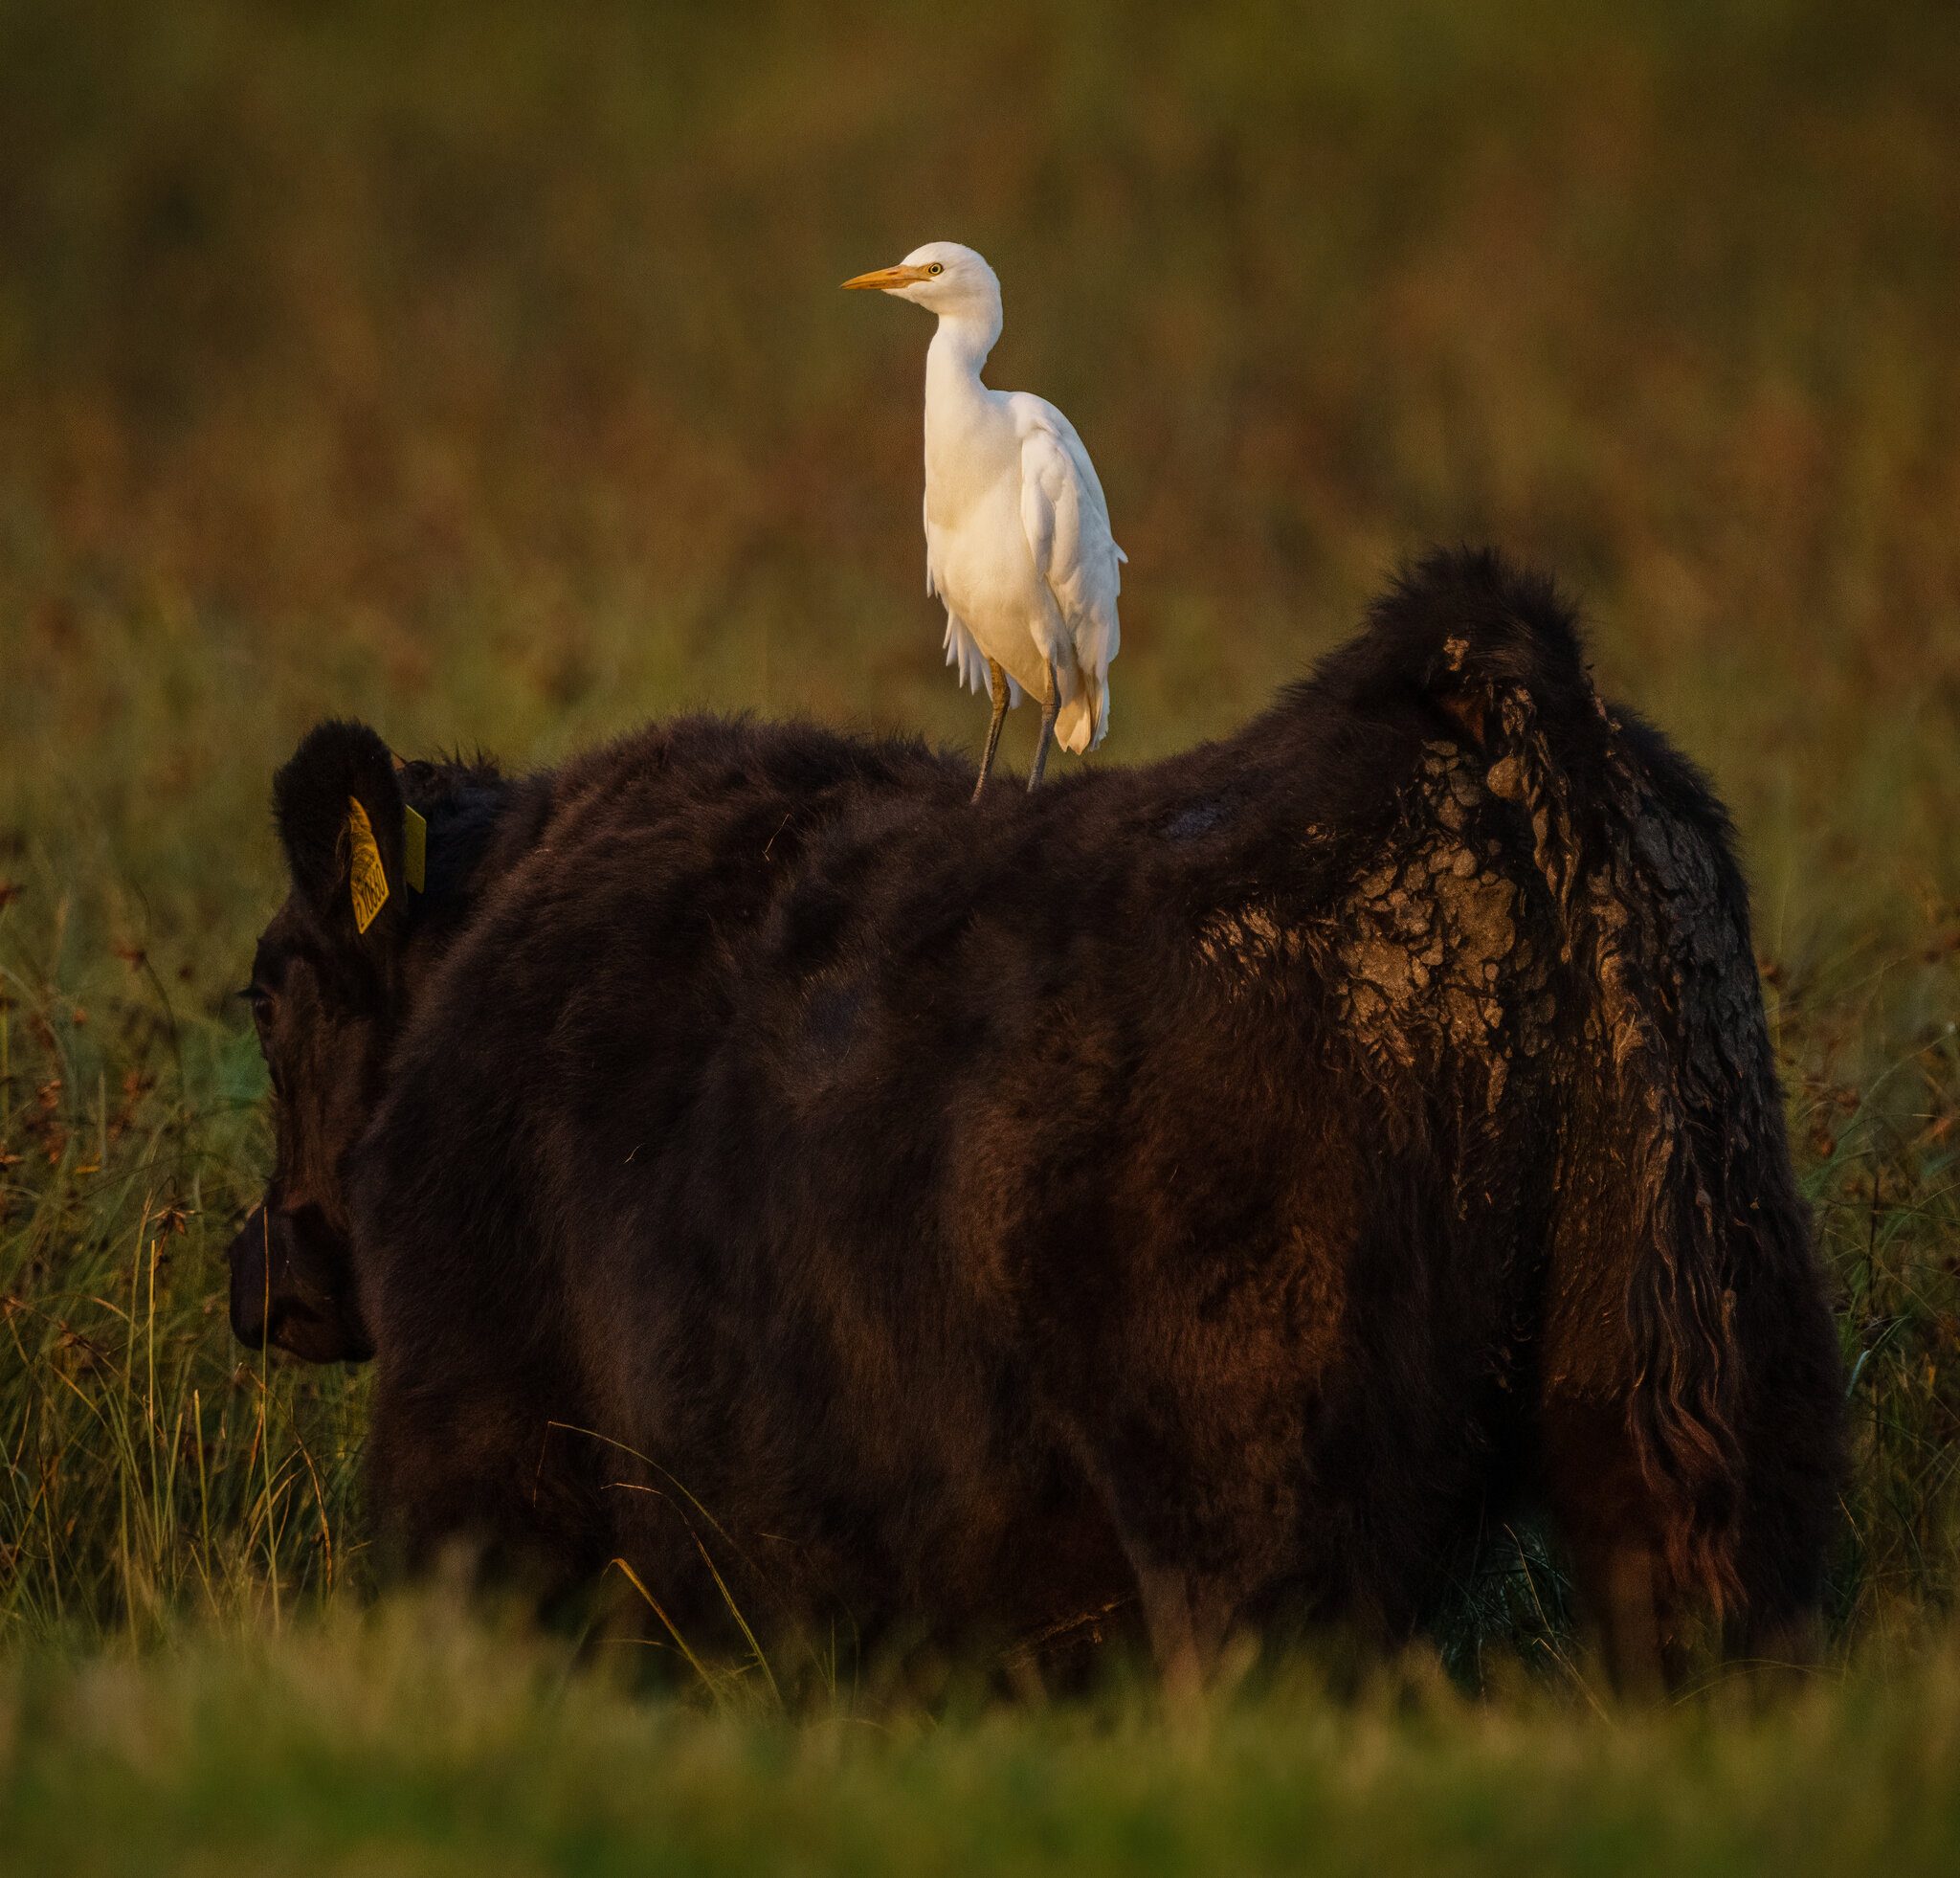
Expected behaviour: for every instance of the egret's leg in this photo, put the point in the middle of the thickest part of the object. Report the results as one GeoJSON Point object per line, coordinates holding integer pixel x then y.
{"type": "Point", "coordinates": [996, 685]}
{"type": "Point", "coordinates": [1049, 708]}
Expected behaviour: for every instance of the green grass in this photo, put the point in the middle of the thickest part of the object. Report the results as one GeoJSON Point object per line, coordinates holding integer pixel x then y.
{"type": "Point", "coordinates": [411, 1742]}
{"type": "Point", "coordinates": [482, 370]}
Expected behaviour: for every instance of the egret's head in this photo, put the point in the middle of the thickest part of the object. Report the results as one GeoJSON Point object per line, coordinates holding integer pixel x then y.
{"type": "Point", "coordinates": [942, 277]}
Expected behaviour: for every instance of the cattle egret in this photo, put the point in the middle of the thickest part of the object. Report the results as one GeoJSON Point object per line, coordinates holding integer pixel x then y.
{"type": "Point", "coordinates": [1018, 540]}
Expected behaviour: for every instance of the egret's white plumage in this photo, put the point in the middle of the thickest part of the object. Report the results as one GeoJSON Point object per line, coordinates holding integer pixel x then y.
{"type": "Point", "coordinates": [1018, 540]}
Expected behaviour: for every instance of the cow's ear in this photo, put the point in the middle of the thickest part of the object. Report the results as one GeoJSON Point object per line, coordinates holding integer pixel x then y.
{"type": "Point", "coordinates": [340, 811]}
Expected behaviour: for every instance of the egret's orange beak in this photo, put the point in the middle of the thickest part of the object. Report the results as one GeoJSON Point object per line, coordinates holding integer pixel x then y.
{"type": "Point", "coordinates": [881, 280]}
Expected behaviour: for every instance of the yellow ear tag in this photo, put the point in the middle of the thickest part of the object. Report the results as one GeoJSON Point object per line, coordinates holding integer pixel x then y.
{"type": "Point", "coordinates": [369, 879]}
{"type": "Point", "coordinates": [414, 849]}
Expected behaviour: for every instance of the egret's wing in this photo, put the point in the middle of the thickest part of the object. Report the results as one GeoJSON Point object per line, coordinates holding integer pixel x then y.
{"type": "Point", "coordinates": [926, 516]}
{"type": "Point", "coordinates": [1066, 519]}
{"type": "Point", "coordinates": [1033, 415]}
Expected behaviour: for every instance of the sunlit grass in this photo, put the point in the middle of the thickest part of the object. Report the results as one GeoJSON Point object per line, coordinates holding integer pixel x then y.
{"type": "Point", "coordinates": [407, 1740]}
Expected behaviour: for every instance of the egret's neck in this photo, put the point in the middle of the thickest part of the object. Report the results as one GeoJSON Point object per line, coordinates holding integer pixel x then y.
{"type": "Point", "coordinates": [958, 350]}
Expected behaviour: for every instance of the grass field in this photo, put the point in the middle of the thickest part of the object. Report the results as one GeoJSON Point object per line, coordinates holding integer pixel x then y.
{"type": "Point", "coordinates": [478, 369]}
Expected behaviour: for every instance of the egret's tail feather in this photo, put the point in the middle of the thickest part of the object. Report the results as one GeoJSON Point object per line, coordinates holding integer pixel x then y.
{"type": "Point", "coordinates": [1083, 721]}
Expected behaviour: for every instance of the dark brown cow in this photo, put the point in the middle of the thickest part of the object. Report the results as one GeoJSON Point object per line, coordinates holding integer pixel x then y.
{"type": "Point", "coordinates": [1216, 1183]}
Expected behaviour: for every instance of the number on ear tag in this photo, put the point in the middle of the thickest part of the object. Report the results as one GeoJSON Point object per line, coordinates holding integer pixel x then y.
{"type": "Point", "coordinates": [369, 879]}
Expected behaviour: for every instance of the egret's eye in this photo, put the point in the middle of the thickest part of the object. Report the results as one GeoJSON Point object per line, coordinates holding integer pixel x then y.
{"type": "Point", "coordinates": [937, 267]}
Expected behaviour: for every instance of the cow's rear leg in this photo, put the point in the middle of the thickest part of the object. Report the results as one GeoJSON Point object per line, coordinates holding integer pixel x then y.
{"type": "Point", "coordinates": [1619, 1577]}
{"type": "Point", "coordinates": [1193, 1575]}
{"type": "Point", "coordinates": [1613, 1526]}
{"type": "Point", "coordinates": [1197, 1449]}
{"type": "Point", "coordinates": [1187, 1618]}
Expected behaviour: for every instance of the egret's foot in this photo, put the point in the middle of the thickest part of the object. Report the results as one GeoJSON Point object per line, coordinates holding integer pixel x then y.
{"type": "Point", "coordinates": [1049, 709]}
{"type": "Point", "coordinates": [996, 685]}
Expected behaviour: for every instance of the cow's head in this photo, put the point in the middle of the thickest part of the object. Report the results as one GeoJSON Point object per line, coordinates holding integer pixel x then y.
{"type": "Point", "coordinates": [329, 986]}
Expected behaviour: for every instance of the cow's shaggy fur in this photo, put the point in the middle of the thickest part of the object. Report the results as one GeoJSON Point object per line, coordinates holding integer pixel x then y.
{"type": "Point", "coordinates": [1212, 1183]}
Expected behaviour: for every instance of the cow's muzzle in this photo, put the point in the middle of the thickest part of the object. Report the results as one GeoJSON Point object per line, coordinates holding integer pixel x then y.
{"type": "Point", "coordinates": [293, 1288]}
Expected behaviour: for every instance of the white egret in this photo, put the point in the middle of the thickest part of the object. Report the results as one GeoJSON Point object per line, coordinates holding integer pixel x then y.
{"type": "Point", "coordinates": [1018, 540]}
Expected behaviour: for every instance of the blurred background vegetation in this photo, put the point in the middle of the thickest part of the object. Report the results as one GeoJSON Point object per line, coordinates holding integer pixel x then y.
{"type": "Point", "coordinates": [480, 368]}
